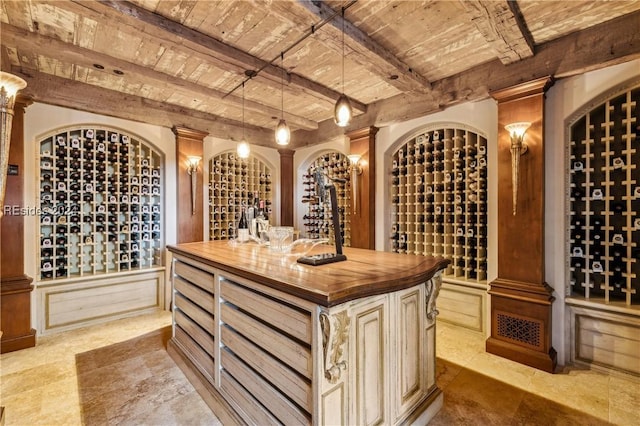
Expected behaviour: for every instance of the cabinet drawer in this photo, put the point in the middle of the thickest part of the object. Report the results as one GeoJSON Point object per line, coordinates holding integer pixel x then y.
{"type": "Point", "coordinates": [204, 339]}
{"type": "Point", "coordinates": [279, 405]}
{"type": "Point", "coordinates": [201, 317]}
{"type": "Point", "coordinates": [277, 314]}
{"type": "Point", "coordinates": [198, 296]}
{"type": "Point", "coordinates": [203, 361]}
{"type": "Point", "coordinates": [194, 275]}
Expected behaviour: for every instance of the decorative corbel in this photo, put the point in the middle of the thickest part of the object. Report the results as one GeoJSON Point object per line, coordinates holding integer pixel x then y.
{"type": "Point", "coordinates": [433, 289]}
{"type": "Point", "coordinates": [337, 335]}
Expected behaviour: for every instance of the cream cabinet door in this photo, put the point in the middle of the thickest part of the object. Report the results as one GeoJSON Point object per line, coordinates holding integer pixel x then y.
{"type": "Point", "coordinates": [407, 344]}
{"type": "Point", "coordinates": [369, 354]}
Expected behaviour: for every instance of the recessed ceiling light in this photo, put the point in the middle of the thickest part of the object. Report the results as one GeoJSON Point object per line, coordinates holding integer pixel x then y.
{"type": "Point", "coordinates": [393, 77]}
{"type": "Point", "coordinates": [118, 72]}
{"type": "Point", "coordinates": [98, 66]}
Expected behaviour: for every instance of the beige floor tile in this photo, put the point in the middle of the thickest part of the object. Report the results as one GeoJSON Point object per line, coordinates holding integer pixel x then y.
{"type": "Point", "coordinates": [503, 369]}
{"type": "Point", "coordinates": [624, 401]}
{"type": "Point", "coordinates": [39, 386]}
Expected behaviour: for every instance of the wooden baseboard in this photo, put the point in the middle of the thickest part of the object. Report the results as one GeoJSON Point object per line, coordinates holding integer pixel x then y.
{"type": "Point", "coordinates": [540, 360]}
{"type": "Point", "coordinates": [17, 343]}
{"type": "Point", "coordinates": [223, 411]}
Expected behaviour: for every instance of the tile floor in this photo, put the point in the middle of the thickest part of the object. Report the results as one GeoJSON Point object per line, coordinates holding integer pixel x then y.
{"type": "Point", "coordinates": [39, 386]}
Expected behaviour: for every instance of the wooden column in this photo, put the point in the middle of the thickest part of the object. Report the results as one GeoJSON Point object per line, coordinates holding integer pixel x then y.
{"type": "Point", "coordinates": [190, 224]}
{"type": "Point", "coordinates": [286, 186]}
{"type": "Point", "coordinates": [363, 220]}
{"type": "Point", "coordinates": [15, 285]}
{"type": "Point", "coordinates": [520, 298]}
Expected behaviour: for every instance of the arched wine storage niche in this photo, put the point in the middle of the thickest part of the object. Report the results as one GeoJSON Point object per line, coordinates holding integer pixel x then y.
{"type": "Point", "coordinates": [603, 230]}
{"type": "Point", "coordinates": [603, 202]}
{"type": "Point", "coordinates": [101, 227]}
{"type": "Point", "coordinates": [318, 220]}
{"type": "Point", "coordinates": [439, 198]}
{"type": "Point", "coordinates": [235, 183]}
{"type": "Point", "coordinates": [100, 194]}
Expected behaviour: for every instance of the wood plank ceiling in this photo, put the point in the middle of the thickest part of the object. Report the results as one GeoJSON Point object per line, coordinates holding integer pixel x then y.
{"type": "Point", "coordinates": [182, 63]}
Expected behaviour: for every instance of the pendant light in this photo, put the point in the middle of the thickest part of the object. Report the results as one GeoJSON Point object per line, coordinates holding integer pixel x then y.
{"type": "Point", "coordinates": [283, 134]}
{"type": "Point", "coordinates": [342, 113]}
{"type": "Point", "coordinates": [243, 149]}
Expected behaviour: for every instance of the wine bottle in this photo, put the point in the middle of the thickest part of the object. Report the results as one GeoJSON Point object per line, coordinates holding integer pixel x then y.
{"type": "Point", "coordinates": [243, 227]}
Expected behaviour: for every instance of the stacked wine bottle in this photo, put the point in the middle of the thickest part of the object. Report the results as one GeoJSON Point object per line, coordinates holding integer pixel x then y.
{"type": "Point", "coordinates": [439, 199]}
{"type": "Point", "coordinates": [604, 201]}
{"type": "Point", "coordinates": [318, 222]}
{"type": "Point", "coordinates": [235, 183]}
{"type": "Point", "coordinates": [100, 202]}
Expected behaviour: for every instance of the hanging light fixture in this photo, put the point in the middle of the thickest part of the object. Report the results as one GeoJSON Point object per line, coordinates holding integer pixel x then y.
{"type": "Point", "coordinates": [342, 113]}
{"type": "Point", "coordinates": [243, 149]}
{"type": "Point", "coordinates": [283, 134]}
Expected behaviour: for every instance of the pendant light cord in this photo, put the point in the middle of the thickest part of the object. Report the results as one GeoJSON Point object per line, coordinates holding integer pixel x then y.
{"type": "Point", "coordinates": [282, 81]}
{"type": "Point", "coordinates": [243, 137]}
{"type": "Point", "coordinates": [310, 32]}
{"type": "Point", "coordinates": [343, 50]}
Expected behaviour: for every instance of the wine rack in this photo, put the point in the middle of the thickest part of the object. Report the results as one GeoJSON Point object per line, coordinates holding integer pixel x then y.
{"type": "Point", "coordinates": [318, 219]}
{"type": "Point", "coordinates": [233, 183]}
{"type": "Point", "coordinates": [604, 199]}
{"type": "Point", "coordinates": [439, 199]}
{"type": "Point", "coordinates": [100, 194]}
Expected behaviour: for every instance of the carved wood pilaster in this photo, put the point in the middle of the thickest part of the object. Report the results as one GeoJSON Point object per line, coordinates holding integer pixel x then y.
{"type": "Point", "coordinates": [520, 299]}
{"type": "Point", "coordinates": [363, 219]}
{"type": "Point", "coordinates": [190, 222]}
{"type": "Point", "coordinates": [15, 285]}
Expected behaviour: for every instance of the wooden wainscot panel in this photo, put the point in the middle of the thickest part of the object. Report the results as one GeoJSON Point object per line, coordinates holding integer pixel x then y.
{"type": "Point", "coordinates": [275, 313]}
{"type": "Point", "coordinates": [278, 374]}
{"type": "Point", "coordinates": [83, 302]}
{"type": "Point", "coordinates": [196, 276]}
{"type": "Point", "coordinates": [201, 317]}
{"type": "Point", "coordinates": [608, 342]}
{"type": "Point", "coordinates": [200, 297]}
{"type": "Point", "coordinates": [282, 347]}
{"type": "Point", "coordinates": [462, 306]}
{"type": "Point", "coordinates": [279, 405]}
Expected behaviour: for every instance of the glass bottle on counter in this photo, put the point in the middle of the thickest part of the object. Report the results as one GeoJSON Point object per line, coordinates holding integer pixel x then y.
{"type": "Point", "coordinates": [243, 227]}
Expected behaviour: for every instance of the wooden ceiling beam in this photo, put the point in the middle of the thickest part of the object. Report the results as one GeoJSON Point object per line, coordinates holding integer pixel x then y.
{"type": "Point", "coordinates": [59, 91]}
{"type": "Point", "coordinates": [133, 73]}
{"type": "Point", "coordinates": [503, 27]}
{"type": "Point", "coordinates": [610, 43]}
{"type": "Point", "coordinates": [368, 53]}
{"type": "Point", "coordinates": [180, 37]}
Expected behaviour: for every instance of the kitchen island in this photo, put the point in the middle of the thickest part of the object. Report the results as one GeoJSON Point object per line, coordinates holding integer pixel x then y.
{"type": "Point", "coordinates": [266, 340]}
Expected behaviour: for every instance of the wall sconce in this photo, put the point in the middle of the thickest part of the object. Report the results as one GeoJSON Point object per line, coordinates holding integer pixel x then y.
{"type": "Point", "coordinates": [355, 170]}
{"type": "Point", "coordinates": [518, 148]}
{"type": "Point", "coordinates": [192, 169]}
{"type": "Point", "coordinates": [9, 87]}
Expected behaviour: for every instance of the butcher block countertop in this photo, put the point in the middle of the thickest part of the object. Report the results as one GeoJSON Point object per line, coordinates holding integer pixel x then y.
{"type": "Point", "coordinates": [364, 273]}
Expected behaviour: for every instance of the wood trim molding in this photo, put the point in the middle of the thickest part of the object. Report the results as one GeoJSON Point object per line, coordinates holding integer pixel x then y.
{"type": "Point", "coordinates": [15, 285]}
{"type": "Point", "coordinates": [363, 226]}
{"type": "Point", "coordinates": [190, 224]}
{"type": "Point", "coordinates": [520, 298]}
{"type": "Point", "coordinates": [520, 91]}
{"type": "Point", "coordinates": [286, 186]}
